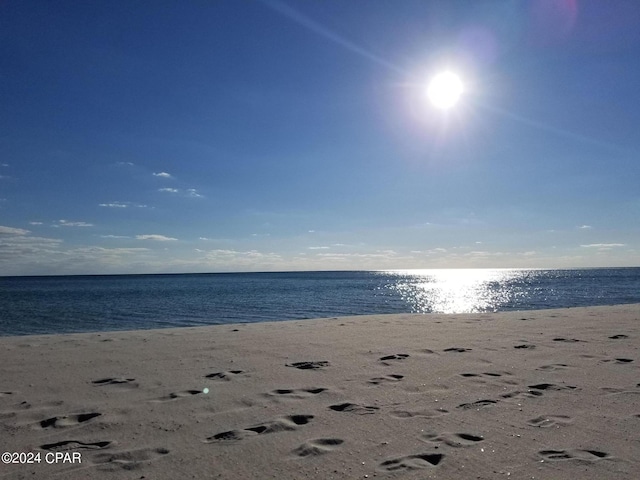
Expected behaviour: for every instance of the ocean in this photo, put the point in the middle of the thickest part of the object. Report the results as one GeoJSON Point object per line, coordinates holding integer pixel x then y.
{"type": "Point", "coordinates": [68, 304]}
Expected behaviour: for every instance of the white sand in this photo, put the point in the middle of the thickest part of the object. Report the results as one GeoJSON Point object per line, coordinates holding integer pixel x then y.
{"type": "Point", "coordinates": [551, 394]}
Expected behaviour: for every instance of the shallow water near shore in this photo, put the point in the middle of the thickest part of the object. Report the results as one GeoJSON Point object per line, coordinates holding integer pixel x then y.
{"type": "Point", "coordinates": [65, 304]}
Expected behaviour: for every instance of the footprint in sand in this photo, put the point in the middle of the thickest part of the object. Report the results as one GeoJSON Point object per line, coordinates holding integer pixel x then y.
{"type": "Point", "coordinates": [546, 421]}
{"type": "Point", "coordinates": [288, 423]}
{"type": "Point", "coordinates": [75, 445]}
{"type": "Point", "coordinates": [485, 374]}
{"type": "Point", "coordinates": [398, 356]}
{"type": "Point", "coordinates": [68, 420]}
{"type": "Point", "coordinates": [574, 454]}
{"type": "Point", "coordinates": [477, 405]}
{"type": "Point", "coordinates": [525, 346]}
{"type": "Point", "coordinates": [385, 379]}
{"type": "Point", "coordinates": [309, 365]}
{"type": "Point", "coordinates": [457, 349]}
{"type": "Point", "coordinates": [225, 376]}
{"type": "Point", "coordinates": [318, 446]}
{"type": "Point", "coordinates": [568, 340]}
{"type": "Point", "coordinates": [177, 395]}
{"type": "Point", "coordinates": [354, 408]}
{"type": "Point", "coordinates": [116, 381]}
{"type": "Point", "coordinates": [299, 393]}
{"type": "Point", "coordinates": [553, 367]}
{"type": "Point", "coordinates": [618, 337]}
{"type": "Point", "coordinates": [617, 360]}
{"type": "Point", "coordinates": [436, 412]}
{"type": "Point", "coordinates": [517, 394]}
{"type": "Point", "coordinates": [411, 462]}
{"type": "Point", "coordinates": [619, 391]}
{"type": "Point", "coordinates": [452, 439]}
{"type": "Point", "coordinates": [5, 394]}
{"type": "Point", "coordinates": [128, 459]}
{"type": "Point", "coordinates": [552, 386]}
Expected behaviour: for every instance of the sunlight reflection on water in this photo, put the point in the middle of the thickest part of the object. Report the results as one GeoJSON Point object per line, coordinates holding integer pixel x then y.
{"type": "Point", "coordinates": [460, 291]}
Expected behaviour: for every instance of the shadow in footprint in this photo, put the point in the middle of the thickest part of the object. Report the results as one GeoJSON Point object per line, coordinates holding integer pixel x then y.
{"type": "Point", "coordinates": [457, 349]}
{"type": "Point", "coordinates": [354, 408]}
{"type": "Point", "coordinates": [618, 360]}
{"type": "Point", "coordinates": [177, 395]}
{"type": "Point", "coordinates": [455, 440]}
{"type": "Point", "coordinates": [116, 381]}
{"type": "Point", "coordinates": [618, 337]}
{"type": "Point", "coordinates": [437, 412]}
{"type": "Point", "coordinates": [551, 386]}
{"type": "Point", "coordinates": [553, 367]}
{"type": "Point", "coordinates": [574, 454]}
{"type": "Point", "coordinates": [75, 445]}
{"type": "Point", "coordinates": [309, 365]}
{"type": "Point", "coordinates": [520, 394]}
{"type": "Point", "coordinates": [525, 346]}
{"type": "Point", "coordinates": [318, 446]}
{"type": "Point", "coordinates": [68, 420]}
{"type": "Point", "coordinates": [288, 423]}
{"type": "Point", "coordinates": [299, 393]}
{"type": "Point", "coordinates": [397, 356]}
{"type": "Point", "coordinates": [226, 376]}
{"type": "Point", "coordinates": [477, 405]}
{"type": "Point", "coordinates": [411, 462]}
{"type": "Point", "coordinates": [385, 379]}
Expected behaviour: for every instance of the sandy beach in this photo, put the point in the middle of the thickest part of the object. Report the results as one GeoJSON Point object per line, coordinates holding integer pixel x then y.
{"type": "Point", "coordinates": [551, 394]}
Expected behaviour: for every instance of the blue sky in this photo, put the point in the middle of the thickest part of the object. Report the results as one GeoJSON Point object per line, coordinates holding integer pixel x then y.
{"type": "Point", "coordinates": [208, 136]}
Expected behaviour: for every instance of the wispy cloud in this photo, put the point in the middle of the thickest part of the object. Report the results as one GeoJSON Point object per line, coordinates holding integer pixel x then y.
{"type": "Point", "coordinates": [114, 236]}
{"type": "Point", "coordinates": [193, 193]}
{"type": "Point", "coordinates": [155, 237]}
{"type": "Point", "coordinates": [35, 223]}
{"type": "Point", "coordinates": [13, 231]}
{"type": "Point", "coordinates": [162, 175]}
{"type": "Point", "coordinates": [603, 245]}
{"type": "Point", "coordinates": [67, 223]}
{"type": "Point", "coordinates": [122, 205]}
{"type": "Point", "coordinates": [189, 192]}
{"type": "Point", "coordinates": [125, 164]}
{"type": "Point", "coordinates": [585, 227]}
{"type": "Point", "coordinates": [243, 259]}
{"type": "Point", "coordinates": [113, 205]}
{"type": "Point", "coordinates": [318, 248]}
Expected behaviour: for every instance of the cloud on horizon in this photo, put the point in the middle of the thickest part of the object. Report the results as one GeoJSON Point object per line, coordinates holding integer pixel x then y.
{"type": "Point", "coordinates": [66, 223]}
{"type": "Point", "coordinates": [122, 205]}
{"type": "Point", "coordinates": [603, 245]}
{"type": "Point", "coordinates": [13, 231]}
{"type": "Point", "coordinates": [156, 237]}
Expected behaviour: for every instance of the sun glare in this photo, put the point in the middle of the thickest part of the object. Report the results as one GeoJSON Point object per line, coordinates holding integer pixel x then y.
{"type": "Point", "coordinates": [444, 90]}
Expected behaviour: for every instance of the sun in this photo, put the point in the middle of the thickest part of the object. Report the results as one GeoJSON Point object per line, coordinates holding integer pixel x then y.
{"type": "Point", "coordinates": [444, 90]}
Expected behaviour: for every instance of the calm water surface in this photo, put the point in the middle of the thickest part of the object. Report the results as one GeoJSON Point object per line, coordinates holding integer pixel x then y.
{"type": "Point", "coordinates": [36, 305]}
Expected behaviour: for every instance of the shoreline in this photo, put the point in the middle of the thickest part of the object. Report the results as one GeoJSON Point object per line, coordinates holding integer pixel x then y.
{"type": "Point", "coordinates": [534, 393]}
{"type": "Point", "coordinates": [500, 312]}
